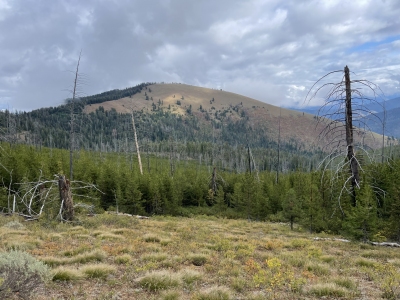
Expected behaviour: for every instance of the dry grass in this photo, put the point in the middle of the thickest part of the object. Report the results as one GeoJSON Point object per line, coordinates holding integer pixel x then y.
{"type": "Point", "coordinates": [200, 258]}
{"type": "Point", "coordinates": [98, 270]}
{"type": "Point", "coordinates": [158, 280]}
{"type": "Point", "coordinates": [66, 274]}
{"type": "Point", "coordinates": [123, 259]}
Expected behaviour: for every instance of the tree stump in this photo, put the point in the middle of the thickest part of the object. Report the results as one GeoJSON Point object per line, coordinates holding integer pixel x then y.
{"type": "Point", "coordinates": [67, 212]}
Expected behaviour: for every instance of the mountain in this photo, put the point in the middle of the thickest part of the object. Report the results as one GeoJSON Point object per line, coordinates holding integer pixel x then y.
{"type": "Point", "coordinates": [218, 106]}
{"type": "Point", "coordinates": [392, 122]}
{"type": "Point", "coordinates": [388, 105]}
{"type": "Point", "coordinates": [374, 116]}
{"type": "Point", "coordinates": [391, 118]}
{"type": "Point", "coordinates": [221, 107]}
{"type": "Point", "coordinates": [181, 121]}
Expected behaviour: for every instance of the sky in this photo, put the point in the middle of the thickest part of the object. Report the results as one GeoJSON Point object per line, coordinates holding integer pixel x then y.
{"type": "Point", "coordinates": [269, 50]}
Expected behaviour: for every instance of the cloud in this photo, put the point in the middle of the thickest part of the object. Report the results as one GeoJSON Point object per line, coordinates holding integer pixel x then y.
{"type": "Point", "coordinates": [267, 49]}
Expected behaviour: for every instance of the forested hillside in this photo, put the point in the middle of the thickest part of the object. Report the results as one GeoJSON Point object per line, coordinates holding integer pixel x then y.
{"type": "Point", "coordinates": [219, 156]}
{"type": "Point", "coordinates": [181, 122]}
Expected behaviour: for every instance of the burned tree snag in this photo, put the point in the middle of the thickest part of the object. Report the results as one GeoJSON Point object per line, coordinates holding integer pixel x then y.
{"type": "Point", "coordinates": [72, 133]}
{"type": "Point", "coordinates": [213, 183]}
{"type": "Point", "coordinates": [137, 144]}
{"type": "Point", "coordinates": [249, 158]}
{"type": "Point", "coordinates": [340, 119]}
{"type": "Point", "coordinates": [349, 138]}
{"type": "Point", "coordinates": [67, 209]}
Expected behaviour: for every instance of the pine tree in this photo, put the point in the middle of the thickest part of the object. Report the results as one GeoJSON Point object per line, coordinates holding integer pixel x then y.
{"type": "Point", "coordinates": [132, 201]}
{"type": "Point", "coordinates": [362, 219]}
{"type": "Point", "coordinates": [291, 207]}
{"type": "Point", "coordinates": [219, 200]}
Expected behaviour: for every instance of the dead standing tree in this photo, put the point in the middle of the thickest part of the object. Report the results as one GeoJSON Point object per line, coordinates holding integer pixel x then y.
{"type": "Point", "coordinates": [355, 177]}
{"type": "Point", "coordinates": [137, 144]}
{"type": "Point", "coordinates": [344, 105]}
{"type": "Point", "coordinates": [32, 199]}
{"type": "Point", "coordinates": [72, 133]}
{"type": "Point", "coordinates": [67, 204]}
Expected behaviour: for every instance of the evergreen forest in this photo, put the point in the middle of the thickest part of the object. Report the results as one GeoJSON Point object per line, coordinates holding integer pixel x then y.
{"type": "Point", "coordinates": [225, 167]}
{"type": "Point", "coordinates": [314, 200]}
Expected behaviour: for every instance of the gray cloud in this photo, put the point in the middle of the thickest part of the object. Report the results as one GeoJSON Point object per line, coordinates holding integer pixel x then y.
{"type": "Point", "coordinates": [270, 50]}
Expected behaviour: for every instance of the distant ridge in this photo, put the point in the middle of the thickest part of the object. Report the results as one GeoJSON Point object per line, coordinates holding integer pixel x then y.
{"type": "Point", "coordinates": [220, 106]}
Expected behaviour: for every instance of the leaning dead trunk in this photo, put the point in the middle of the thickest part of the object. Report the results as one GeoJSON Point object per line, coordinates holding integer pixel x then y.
{"type": "Point", "coordinates": [67, 210]}
{"type": "Point", "coordinates": [137, 144]}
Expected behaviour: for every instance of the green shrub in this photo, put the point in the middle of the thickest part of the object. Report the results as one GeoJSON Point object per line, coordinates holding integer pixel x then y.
{"type": "Point", "coordinates": [22, 273]}
{"type": "Point", "coordinates": [198, 259]}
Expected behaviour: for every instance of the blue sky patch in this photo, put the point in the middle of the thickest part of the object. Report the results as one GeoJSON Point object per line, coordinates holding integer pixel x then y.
{"type": "Point", "coordinates": [369, 46]}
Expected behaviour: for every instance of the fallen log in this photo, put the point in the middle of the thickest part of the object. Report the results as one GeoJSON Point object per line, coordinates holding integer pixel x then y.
{"type": "Point", "coordinates": [331, 239]}
{"type": "Point", "coordinates": [129, 215]}
{"type": "Point", "coordinates": [386, 244]}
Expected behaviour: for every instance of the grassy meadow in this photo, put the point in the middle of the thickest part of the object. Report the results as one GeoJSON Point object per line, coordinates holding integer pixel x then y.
{"type": "Point", "coordinates": [202, 258]}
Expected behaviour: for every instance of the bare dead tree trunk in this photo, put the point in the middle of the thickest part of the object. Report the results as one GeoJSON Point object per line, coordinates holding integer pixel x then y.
{"type": "Point", "coordinates": [311, 204]}
{"type": "Point", "coordinates": [148, 156]}
{"type": "Point", "coordinates": [214, 181]}
{"type": "Point", "coordinates": [383, 129]}
{"type": "Point", "coordinates": [279, 147]}
{"type": "Point", "coordinates": [71, 134]}
{"type": "Point", "coordinates": [349, 138]}
{"type": "Point", "coordinates": [336, 116]}
{"type": "Point", "coordinates": [137, 144]}
{"type": "Point", "coordinates": [171, 158]}
{"type": "Point", "coordinates": [67, 211]}
{"type": "Point", "coordinates": [11, 127]}
{"type": "Point", "coordinates": [249, 158]}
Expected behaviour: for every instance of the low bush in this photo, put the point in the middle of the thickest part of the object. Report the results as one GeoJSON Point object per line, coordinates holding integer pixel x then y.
{"type": "Point", "coordinates": [198, 259]}
{"type": "Point", "coordinates": [21, 273]}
